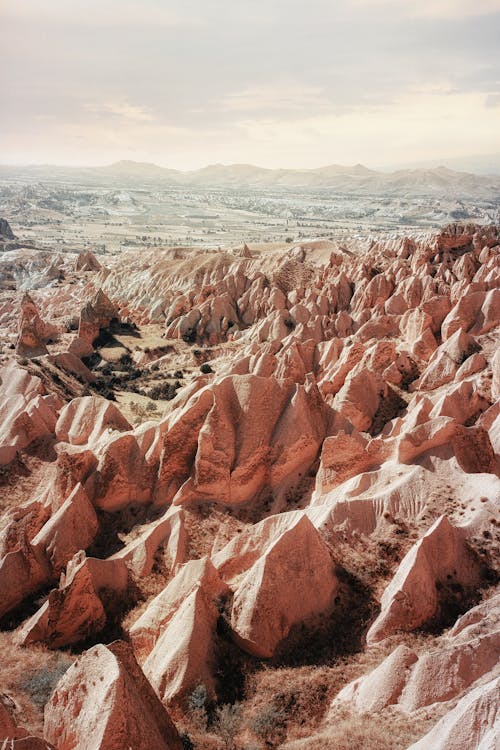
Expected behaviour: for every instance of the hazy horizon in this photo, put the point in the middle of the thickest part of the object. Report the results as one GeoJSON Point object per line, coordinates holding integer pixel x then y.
{"type": "Point", "coordinates": [480, 168]}
{"type": "Point", "coordinates": [273, 84]}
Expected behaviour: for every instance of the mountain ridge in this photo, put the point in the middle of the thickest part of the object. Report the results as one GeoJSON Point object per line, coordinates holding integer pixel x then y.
{"type": "Point", "coordinates": [357, 179]}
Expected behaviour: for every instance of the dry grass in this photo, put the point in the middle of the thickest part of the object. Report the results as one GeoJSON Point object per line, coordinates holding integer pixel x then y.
{"type": "Point", "coordinates": [353, 731]}
{"type": "Point", "coordinates": [28, 676]}
{"type": "Point", "coordinates": [209, 523]}
{"type": "Point", "coordinates": [281, 705]}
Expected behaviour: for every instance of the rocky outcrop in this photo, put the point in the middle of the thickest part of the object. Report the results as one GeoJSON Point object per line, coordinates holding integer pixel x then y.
{"type": "Point", "coordinates": [86, 261]}
{"type": "Point", "coordinates": [240, 438]}
{"type": "Point", "coordinates": [23, 569]}
{"type": "Point", "coordinates": [71, 528]}
{"type": "Point", "coordinates": [28, 413]}
{"type": "Point", "coordinates": [281, 589]}
{"type": "Point", "coordinates": [438, 561]}
{"type": "Point", "coordinates": [78, 609]}
{"type": "Point", "coordinates": [104, 701]}
{"type": "Point", "coordinates": [194, 575]}
{"type": "Point", "coordinates": [183, 656]}
{"type": "Point", "coordinates": [446, 360]}
{"type": "Point", "coordinates": [471, 725]}
{"type": "Point", "coordinates": [85, 419]}
{"type": "Point", "coordinates": [34, 333]}
{"type": "Point", "coordinates": [96, 314]}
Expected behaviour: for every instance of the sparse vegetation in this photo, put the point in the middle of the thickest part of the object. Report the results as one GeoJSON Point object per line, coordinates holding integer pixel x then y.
{"type": "Point", "coordinates": [42, 682]}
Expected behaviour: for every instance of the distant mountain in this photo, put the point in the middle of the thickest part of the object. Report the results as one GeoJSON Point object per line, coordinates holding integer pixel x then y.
{"type": "Point", "coordinates": [437, 182]}
{"type": "Point", "coordinates": [478, 164]}
{"type": "Point", "coordinates": [139, 169]}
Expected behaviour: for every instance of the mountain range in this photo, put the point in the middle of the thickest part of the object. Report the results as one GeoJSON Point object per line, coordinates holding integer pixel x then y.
{"type": "Point", "coordinates": [358, 179]}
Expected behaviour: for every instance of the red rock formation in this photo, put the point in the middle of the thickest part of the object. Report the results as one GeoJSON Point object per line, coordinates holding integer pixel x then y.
{"type": "Point", "coordinates": [412, 597]}
{"type": "Point", "coordinates": [87, 261]}
{"type": "Point", "coordinates": [471, 725]}
{"type": "Point", "coordinates": [95, 315]}
{"type": "Point", "coordinates": [75, 611]}
{"type": "Point", "coordinates": [33, 331]}
{"type": "Point", "coordinates": [104, 701]}
{"type": "Point", "coordinates": [352, 398]}
{"type": "Point", "coordinates": [85, 419]}
{"type": "Point", "coordinates": [283, 589]}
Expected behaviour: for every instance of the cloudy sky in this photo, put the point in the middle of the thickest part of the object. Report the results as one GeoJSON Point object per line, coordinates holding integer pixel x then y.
{"type": "Point", "coordinates": [270, 82]}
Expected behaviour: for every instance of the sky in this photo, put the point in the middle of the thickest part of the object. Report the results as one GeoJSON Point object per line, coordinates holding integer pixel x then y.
{"type": "Point", "coordinates": [277, 83]}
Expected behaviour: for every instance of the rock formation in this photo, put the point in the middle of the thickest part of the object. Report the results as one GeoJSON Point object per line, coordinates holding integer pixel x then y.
{"type": "Point", "coordinates": [87, 261]}
{"type": "Point", "coordinates": [104, 701]}
{"type": "Point", "coordinates": [33, 331]}
{"type": "Point", "coordinates": [278, 458]}
{"type": "Point", "coordinates": [5, 230]}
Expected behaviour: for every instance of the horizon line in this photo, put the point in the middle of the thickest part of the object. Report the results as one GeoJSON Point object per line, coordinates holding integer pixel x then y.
{"type": "Point", "coordinates": [436, 164]}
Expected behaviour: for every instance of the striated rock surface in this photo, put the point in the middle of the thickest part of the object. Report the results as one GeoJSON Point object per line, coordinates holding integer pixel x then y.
{"type": "Point", "coordinates": [439, 559]}
{"type": "Point", "coordinates": [34, 333]}
{"type": "Point", "coordinates": [471, 725]}
{"type": "Point", "coordinates": [104, 701]}
{"type": "Point", "coordinates": [290, 582]}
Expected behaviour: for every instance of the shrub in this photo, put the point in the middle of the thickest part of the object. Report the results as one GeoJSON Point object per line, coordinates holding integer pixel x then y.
{"type": "Point", "coordinates": [198, 703]}
{"type": "Point", "coordinates": [198, 698]}
{"type": "Point", "coordinates": [126, 362]}
{"type": "Point", "coordinates": [269, 725]}
{"type": "Point", "coordinates": [164, 390]}
{"type": "Point", "coordinates": [205, 368]}
{"type": "Point", "coordinates": [227, 723]}
{"type": "Point", "coordinates": [41, 683]}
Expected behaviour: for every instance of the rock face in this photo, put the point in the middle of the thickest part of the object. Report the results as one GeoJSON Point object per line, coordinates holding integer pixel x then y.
{"type": "Point", "coordinates": [440, 558]}
{"type": "Point", "coordinates": [472, 725]}
{"type": "Point", "coordinates": [33, 331]}
{"type": "Point", "coordinates": [104, 701]}
{"type": "Point", "coordinates": [77, 609]}
{"type": "Point", "coordinates": [242, 437]}
{"type": "Point", "coordinates": [292, 581]}
{"type": "Point", "coordinates": [95, 315]}
{"type": "Point", "coordinates": [71, 528]}
{"type": "Point", "coordinates": [87, 261]}
{"type": "Point", "coordinates": [183, 656]}
{"type": "Point", "coordinates": [196, 574]}
{"type": "Point", "coordinates": [85, 419]}
{"type": "Point", "coordinates": [5, 230]}
{"type": "Point", "coordinates": [27, 412]}
{"type": "Point", "coordinates": [463, 658]}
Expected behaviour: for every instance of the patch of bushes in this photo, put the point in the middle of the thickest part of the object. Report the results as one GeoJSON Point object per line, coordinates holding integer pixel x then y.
{"type": "Point", "coordinates": [40, 684]}
{"type": "Point", "coordinates": [205, 368]}
{"type": "Point", "coordinates": [270, 725]}
{"type": "Point", "coordinates": [165, 390]}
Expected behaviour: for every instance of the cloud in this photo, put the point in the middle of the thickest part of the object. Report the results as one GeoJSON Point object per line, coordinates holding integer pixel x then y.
{"type": "Point", "coordinates": [120, 109]}
{"type": "Point", "coordinates": [270, 97]}
{"type": "Point", "coordinates": [111, 14]}
{"type": "Point", "coordinates": [140, 75]}
{"type": "Point", "coordinates": [435, 9]}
